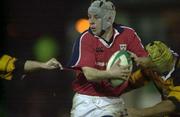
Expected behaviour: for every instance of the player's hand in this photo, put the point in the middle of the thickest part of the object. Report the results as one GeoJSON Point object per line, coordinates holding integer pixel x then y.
{"type": "Point", "coordinates": [135, 57]}
{"type": "Point", "coordinates": [52, 64]}
{"type": "Point", "coordinates": [142, 61]}
{"type": "Point", "coordinates": [120, 72]}
{"type": "Point", "coordinates": [138, 60]}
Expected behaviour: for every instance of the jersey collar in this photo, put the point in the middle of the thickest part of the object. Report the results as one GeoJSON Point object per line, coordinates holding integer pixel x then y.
{"type": "Point", "coordinates": [167, 75]}
{"type": "Point", "coordinates": [117, 30]}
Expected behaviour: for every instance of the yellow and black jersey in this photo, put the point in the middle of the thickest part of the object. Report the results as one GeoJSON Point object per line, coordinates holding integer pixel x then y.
{"type": "Point", "coordinates": [168, 85]}
{"type": "Point", "coordinates": [10, 67]}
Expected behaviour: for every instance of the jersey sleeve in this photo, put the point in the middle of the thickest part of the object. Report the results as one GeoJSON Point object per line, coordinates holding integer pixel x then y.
{"type": "Point", "coordinates": [10, 67]}
{"type": "Point", "coordinates": [174, 96]}
{"type": "Point", "coordinates": [175, 92]}
{"type": "Point", "coordinates": [138, 79]}
{"type": "Point", "coordinates": [136, 46]}
{"type": "Point", "coordinates": [7, 63]}
{"type": "Point", "coordinates": [82, 54]}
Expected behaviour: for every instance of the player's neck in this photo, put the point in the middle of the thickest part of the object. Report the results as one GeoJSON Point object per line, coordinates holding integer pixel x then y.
{"type": "Point", "coordinates": [108, 34]}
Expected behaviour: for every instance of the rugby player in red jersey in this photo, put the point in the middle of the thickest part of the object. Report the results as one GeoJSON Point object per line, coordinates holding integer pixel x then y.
{"type": "Point", "coordinates": [95, 97]}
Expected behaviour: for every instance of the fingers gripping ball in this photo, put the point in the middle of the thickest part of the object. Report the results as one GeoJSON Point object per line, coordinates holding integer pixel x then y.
{"type": "Point", "coordinates": [125, 59]}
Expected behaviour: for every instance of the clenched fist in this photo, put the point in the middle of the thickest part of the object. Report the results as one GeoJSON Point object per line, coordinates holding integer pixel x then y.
{"type": "Point", "coordinates": [52, 64]}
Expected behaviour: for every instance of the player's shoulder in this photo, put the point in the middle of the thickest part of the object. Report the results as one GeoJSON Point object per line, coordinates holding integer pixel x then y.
{"type": "Point", "coordinates": [84, 34]}
{"type": "Point", "coordinates": [84, 37]}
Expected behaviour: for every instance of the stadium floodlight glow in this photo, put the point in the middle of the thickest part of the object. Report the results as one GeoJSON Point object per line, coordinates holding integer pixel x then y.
{"type": "Point", "coordinates": [81, 25]}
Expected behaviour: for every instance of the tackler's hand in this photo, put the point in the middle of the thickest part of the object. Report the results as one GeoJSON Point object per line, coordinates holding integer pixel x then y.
{"type": "Point", "coordinates": [134, 57]}
{"type": "Point", "coordinates": [52, 64]}
{"type": "Point", "coordinates": [142, 61]}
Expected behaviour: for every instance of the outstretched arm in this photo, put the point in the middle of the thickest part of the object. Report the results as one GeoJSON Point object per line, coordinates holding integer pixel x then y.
{"type": "Point", "coordinates": [10, 66]}
{"type": "Point", "coordinates": [142, 61]}
{"type": "Point", "coordinates": [163, 108]}
{"type": "Point", "coordinates": [35, 65]}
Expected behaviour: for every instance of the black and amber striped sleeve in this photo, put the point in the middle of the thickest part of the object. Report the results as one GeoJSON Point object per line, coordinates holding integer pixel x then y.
{"type": "Point", "coordinates": [174, 93]}
{"type": "Point", "coordinates": [174, 96]}
{"type": "Point", "coordinates": [19, 68]}
{"type": "Point", "coordinates": [10, 66]}
{"type": "Point", "coordinates": [138, 79]}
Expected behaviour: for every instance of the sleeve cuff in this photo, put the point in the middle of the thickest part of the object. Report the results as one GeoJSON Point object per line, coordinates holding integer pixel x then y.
{"type": "Point", "coordinates": [19, 68]}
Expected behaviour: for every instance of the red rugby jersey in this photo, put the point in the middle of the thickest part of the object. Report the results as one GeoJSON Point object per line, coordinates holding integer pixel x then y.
{"type": "Point", "coordinates": [92, 51]}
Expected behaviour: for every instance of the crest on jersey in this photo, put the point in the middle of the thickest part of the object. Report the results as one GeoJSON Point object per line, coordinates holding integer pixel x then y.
{"type": "Point", "coordinates": [123, 46]}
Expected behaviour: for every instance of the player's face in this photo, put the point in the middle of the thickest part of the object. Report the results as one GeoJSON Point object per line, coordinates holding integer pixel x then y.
{"type": "Point", "coordinates": [95, 23]}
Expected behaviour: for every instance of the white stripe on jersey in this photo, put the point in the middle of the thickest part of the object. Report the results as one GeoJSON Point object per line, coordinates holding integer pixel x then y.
{"type": "Point", "coordinates": [139, 39]}
{"type": "Point", "coordinates": [127, 27]}
{"type": "Point", "coordinates": [134, 33]}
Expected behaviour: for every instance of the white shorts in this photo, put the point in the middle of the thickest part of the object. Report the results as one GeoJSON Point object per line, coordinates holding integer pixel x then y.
{"type": "Point", "coordinates": [95, 106]}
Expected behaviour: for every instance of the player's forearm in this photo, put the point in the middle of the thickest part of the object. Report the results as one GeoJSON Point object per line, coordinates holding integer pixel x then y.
{"type": "Point", "coordinates": [145, 62]}
{"type": "Point", "coordinates": [95, 74]}
{"type": "Point", "coordinates": [35, 65]}
{"type": "Point", "coordinates": [32, 65]}
{"type": "Point", "coordinates": [162, 108]}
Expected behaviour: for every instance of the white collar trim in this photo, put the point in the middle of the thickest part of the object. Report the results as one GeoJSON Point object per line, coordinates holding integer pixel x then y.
{"type": "Point", "coordinates": [169, 74]}
{"type": "Point", "coordinates": [116, 33]}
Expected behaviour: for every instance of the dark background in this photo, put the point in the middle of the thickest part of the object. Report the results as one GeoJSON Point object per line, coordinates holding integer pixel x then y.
{"type": "Point", "coordinates": [23, 22]}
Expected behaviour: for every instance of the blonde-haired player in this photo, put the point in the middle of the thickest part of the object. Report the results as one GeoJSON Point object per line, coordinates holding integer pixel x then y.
{"type": "Point", "coordinates": [166, 75]}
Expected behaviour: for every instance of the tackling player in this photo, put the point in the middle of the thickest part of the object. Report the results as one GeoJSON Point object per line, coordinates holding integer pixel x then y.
{"type": "Point", "coordinates": [166, 77]}
{"type": "Point", "coordinates": [95, 97]}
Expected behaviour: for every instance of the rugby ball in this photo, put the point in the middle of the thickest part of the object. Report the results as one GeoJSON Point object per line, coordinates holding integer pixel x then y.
{"type": "Point", "coordinates": [125, 59]}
